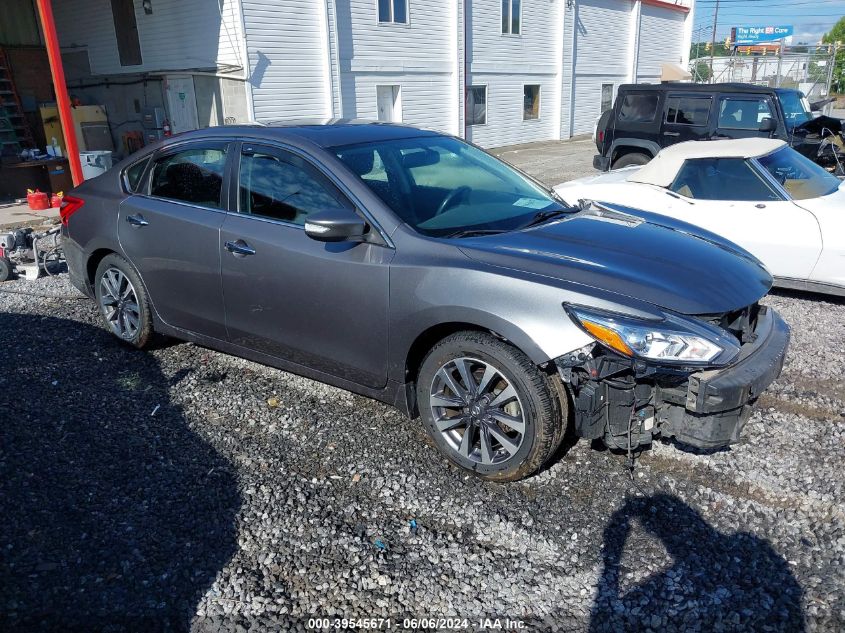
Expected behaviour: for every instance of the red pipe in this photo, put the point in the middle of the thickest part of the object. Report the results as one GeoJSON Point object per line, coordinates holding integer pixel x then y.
{"type": "Point", "coordinates": [45, 11]}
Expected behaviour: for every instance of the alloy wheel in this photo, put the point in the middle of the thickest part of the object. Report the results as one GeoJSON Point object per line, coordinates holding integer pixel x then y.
{"type": "Point", "coordinates": [120, 303]}
{"type": "Point", "coordinates": [477, 411]}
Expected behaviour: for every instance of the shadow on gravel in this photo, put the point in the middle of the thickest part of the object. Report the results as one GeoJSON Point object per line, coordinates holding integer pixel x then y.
{"type": "Point", "coordinates": [715, 581]}
{"type": "Point", "coordinates": [112, 518]}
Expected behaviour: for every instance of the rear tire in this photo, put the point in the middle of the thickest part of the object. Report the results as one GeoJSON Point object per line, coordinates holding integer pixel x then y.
{"type": "Point", "coordinates": [5, 269]}
{"type": "Point", "coordinates": [488, 408]}
{"type": "Point", "coordinates": [634, 158]}
{"type": "Point", "coordinates": [123, 301]}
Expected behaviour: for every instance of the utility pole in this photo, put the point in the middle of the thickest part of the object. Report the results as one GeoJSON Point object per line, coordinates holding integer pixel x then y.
{"type": "Point", "coordinates": [713, 40]}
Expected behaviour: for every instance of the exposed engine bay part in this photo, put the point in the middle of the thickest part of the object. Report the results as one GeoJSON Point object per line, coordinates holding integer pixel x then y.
{"type": "Point", "coordinates": [627, 402]}
{"type": "Point", "coordinates": [30, 254]}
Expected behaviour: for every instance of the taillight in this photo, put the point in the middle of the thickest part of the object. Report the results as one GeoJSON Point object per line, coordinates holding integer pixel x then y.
{"type": "Point", "coordinates": [70, 205]}
{"type": "Point", "coordinates": [601, 136]}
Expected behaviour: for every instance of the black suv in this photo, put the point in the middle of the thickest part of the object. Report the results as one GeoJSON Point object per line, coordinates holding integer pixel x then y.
{"type": "Point", "coordinates": [648, 117]}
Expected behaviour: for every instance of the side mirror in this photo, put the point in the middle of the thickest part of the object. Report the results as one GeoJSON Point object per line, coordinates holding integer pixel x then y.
{"type": "Point", "coordinates": [768, 125]}
{"type": "Point", "coordinates": [336, 225]}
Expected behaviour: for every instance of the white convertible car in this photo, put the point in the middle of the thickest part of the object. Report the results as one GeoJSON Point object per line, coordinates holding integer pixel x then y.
{"type": "Point", "coordinates": [757, 192]}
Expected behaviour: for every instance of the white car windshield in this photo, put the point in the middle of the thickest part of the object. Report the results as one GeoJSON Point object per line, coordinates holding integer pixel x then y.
{"type": "Point", "coordinates": [801, 177]}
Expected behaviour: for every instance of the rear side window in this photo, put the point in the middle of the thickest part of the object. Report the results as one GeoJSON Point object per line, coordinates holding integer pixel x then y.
{"type": "Point", "coordinates": [638, 108]}
{"type": "Point", "coordinates": [193, 175]}
{"type": "Point", "coordinates": [721, 179]}
{"type": "Point", "coordinates": [688, 110]}
{"type": "Point", "coordinates": [745, 113]}
{"type": "Point", "coordinates": [132, 175]}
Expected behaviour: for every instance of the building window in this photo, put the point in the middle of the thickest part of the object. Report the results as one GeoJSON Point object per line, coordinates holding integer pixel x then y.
{"type": "Point", "coordinates": [511, 16]}
{"type": "Point", "coordinates": [476, 106]}
{"type": "Point", "coordinates": [606, 97]}
{"type": "Point", "coordinates": [531, 103]}
{"type": "Point", "coordinates": [126, 32]}
{"type": "Point", "coordinates": [395, 11]}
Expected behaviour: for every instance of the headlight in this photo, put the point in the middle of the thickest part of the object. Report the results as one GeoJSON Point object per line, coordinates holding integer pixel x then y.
{"type": "Point", "coordinates": [670, 340]}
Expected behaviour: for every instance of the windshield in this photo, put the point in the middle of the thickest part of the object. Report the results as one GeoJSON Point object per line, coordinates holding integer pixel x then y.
{"type": "Point", "coordinates": [801, 177]}
{"type": "Point", "coordinates": [441, 186]}
{"type": "Point", "coordinates": [796, 108]}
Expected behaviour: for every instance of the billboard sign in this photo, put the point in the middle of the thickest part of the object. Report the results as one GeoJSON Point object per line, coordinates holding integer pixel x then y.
{"type": "Point", "coordinates": [747, 35]}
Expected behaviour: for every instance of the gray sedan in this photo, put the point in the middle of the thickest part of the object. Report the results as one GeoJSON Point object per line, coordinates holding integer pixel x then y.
{"type": "Point", "coordinates": [414, 268]}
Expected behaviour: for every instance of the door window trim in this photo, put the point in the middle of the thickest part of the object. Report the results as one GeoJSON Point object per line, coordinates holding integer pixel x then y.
{"type": "Point", "coordinates": [228, 145]}
{"type": "Point", "coordinates": [354, 202]}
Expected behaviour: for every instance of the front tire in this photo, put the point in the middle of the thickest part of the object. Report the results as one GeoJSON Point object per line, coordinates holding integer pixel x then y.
{"type": "Point", "coordinates": [488, 408]}
{"type": "Point", "coordinates": [123, 301]}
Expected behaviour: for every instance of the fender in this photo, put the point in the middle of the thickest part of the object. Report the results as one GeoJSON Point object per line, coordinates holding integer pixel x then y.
{"type": "Point", "coordinates": [650, 146]}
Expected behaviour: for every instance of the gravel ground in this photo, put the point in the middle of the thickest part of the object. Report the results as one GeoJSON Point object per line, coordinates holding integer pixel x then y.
{"type": "Point", "coordinates": [181, 488]}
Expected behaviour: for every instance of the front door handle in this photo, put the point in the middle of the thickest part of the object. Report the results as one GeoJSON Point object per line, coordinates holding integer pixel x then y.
{"type": "Point", "coordinates": [239, 248]}
{"type": "Point", "coordinates": [136, 220]}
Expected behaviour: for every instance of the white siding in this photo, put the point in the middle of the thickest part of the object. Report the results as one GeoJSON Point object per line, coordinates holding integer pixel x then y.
{"type": "Point", "coordinates": [661, 40]}
{"type": "Point", "coordinates": [287, 58]}
{"type": "Point", "coordinates": [178, 35]}
{"type": "Point", "coordinates": [418, 56]}
{"type": "Point", "coordinates": [599, 22]}
{"type": "Point", "coordinates": [505, 63]}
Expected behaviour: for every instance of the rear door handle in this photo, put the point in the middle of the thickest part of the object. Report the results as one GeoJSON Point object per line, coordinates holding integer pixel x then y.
{"type": "Point", "coordinates": [671, 133]}
{"type": "Point", "coordinates": [239, 248]}
{"type": "Point", "coordinates": [136, 220]}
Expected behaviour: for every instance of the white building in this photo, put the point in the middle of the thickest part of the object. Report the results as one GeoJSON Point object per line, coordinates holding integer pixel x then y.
{"type": "Point", "coordinates": [530, 69]}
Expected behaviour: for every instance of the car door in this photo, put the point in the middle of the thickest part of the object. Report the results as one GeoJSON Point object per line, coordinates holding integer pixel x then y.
{"type": "Point", "coordinates": [171, 230]}
{"type": "Point", "coordinates": [743, 116]}
{"type": "Point", "coordinates": [686, 117]}
{"type": "Point", "coordinates": [319, 305]}
{"type": "Point", "coordinates": [732, 198]}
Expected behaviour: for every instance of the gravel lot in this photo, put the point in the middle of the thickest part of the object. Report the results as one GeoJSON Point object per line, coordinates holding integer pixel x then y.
{"type": "Point", "coordinates": [182, 488]}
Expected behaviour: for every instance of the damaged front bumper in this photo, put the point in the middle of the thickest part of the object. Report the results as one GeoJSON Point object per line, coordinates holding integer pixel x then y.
{"type": "Point", "coordinates": [627, 403]}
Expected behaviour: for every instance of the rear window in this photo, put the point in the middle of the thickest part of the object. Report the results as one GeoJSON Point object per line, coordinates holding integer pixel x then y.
{"type": "Point", "coordinates": [688, 110]}
{"type": "Point", "coordinates": [638, 108]}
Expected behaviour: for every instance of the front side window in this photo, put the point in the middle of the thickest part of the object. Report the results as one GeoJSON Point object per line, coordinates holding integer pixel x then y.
{"type": "Point", "coordinates": [441, 185]}
{"type": "Point", "coordinates": [511, 17]}
{"type": "Point", "coordinates": [476, 106]}
{"type": "Point", "coordinates": [531, 103]}
{"type": "Point", "coordinates": [688, 110]}
{"type": "Point", "coordinates": [133, 173]}
{"type": "Point", "coordinates": [721, 179]}
{"type": "Point", "coordinates": [745, 113]}
{"type": "Point", "coordinates": [638, 108]}
{"type": "Point", "coordinates": [606, 97]}
{"type": "Point", "coordinates": [801, 177]}
{"type": "Point", "coordinates": [283, 188]}
{"type": "Point", "coordinates": [192, 175]}
{"type": "Point", "coordinates": [395, 11]}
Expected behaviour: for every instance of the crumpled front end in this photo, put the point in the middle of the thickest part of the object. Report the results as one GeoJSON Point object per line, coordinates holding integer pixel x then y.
{"type": "Point", "coordinates": [627, 402]}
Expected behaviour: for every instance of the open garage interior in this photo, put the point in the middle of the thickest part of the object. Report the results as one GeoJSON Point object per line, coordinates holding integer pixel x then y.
{"type": "Point", "coordinates": [135, 72]}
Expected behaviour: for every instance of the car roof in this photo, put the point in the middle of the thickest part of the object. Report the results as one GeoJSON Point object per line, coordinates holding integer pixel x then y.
{"type": "Point", "coordinates": [693, 87]}
{"type": "Point", "coordinates": [664, 167]}
{"type": "Point", "coordinates": [321, 132]}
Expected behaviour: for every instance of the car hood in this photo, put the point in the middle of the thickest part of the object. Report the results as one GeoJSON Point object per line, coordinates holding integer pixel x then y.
{"type": "Point", "coordinates": [671, 264]}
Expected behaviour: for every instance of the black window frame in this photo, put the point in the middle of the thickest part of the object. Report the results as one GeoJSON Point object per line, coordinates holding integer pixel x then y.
{"type": "Point", "coordinates": [226, 145]}
{"type": "Point", "coordinates": [680, 97]}
{"type": "Point", "coordinates": [290, 157]}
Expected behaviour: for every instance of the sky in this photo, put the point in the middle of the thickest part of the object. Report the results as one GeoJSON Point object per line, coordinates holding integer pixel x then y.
{"type": "Point", "coordinates": [811, 18]}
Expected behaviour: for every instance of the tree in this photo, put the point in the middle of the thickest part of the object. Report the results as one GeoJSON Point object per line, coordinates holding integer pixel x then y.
{"type": "Point", "coordinates": [701, 72]}
{"type": "Point", "coordinates": [837, 34]}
